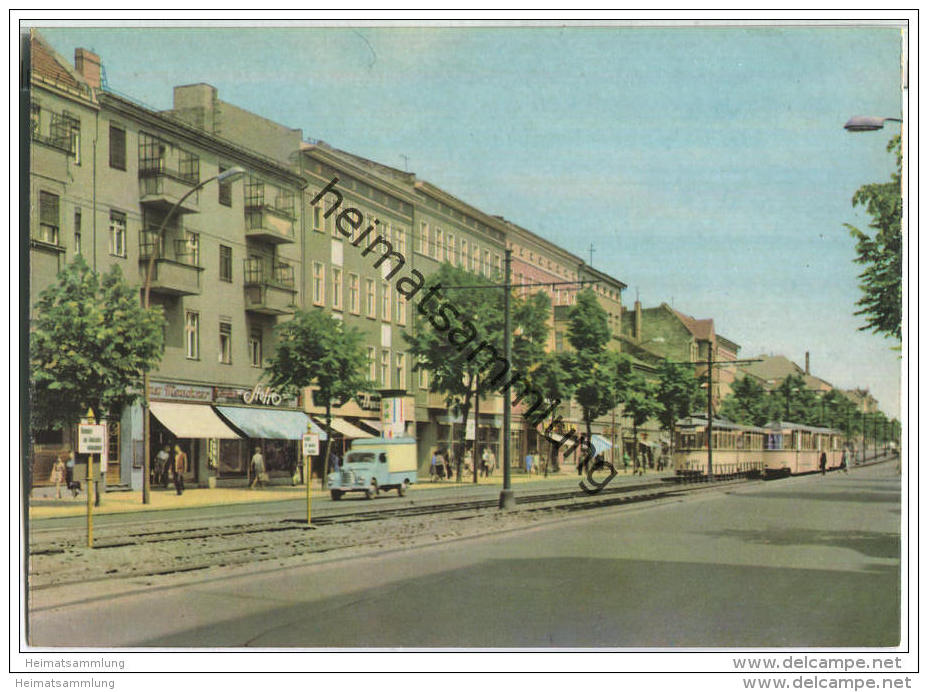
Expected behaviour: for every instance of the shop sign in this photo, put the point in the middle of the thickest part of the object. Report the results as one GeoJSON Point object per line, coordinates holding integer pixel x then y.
{"type": "Point", "coordinates": [262, 395]}
{"type": "Point", "coordinates": [369, 402]}
{"type": "Point", "coordinates": [256, 396]}
{"type": "Point", "coordinates": [182, 392]}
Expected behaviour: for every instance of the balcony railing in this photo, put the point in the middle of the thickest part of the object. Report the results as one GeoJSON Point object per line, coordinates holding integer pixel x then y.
{"type": "Point", "coordinates": [270, 272]}
{"type": "Point", "coordinates": [269, 287]}
{"type": "Point", "coordinates": [176, 270]}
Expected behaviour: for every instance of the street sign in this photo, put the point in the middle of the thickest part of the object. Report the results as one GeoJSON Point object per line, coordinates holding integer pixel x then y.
{"type": "Point", "coordinates": [91, 439]}
{"type": "Point", "coordinates": [310, 444]}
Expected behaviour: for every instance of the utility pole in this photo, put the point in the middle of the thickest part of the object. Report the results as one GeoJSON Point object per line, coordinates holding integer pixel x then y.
{"type": "Point", "coordinates": [708, 409]}
{"type": "Point", "coordinates": [507, 499]}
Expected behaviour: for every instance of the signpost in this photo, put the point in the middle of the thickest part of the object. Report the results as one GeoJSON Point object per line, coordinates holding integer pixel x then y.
{"type": "Point", "coordinates": [310, 449]}
{"type": "Point", "coordinates": [91, 439]}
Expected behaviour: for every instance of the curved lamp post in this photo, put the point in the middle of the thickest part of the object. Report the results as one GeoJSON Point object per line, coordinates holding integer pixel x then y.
{"type": "Point", "coordinates": [866, 123]}
{"type": "Point", "coordinates": [225, 177]}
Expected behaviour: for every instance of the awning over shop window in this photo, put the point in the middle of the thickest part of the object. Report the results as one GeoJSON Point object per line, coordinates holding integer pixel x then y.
{"type": "Point", "coordinates": [270, 424]}
{"type": "Point", "coordinates": [352, 432]}
{"type": "Point", "coordinates": [192, 421]}
{"type": "Point", "coordinates": [600, 444]}
{"type": "Point", "coordinates": [371, 425]}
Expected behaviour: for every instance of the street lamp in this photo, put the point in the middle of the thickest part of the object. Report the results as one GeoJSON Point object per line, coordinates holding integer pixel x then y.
{"type": "Point", "coordinates": [227, 176]}
{"type": "Point", "coordinates": [866, 123]}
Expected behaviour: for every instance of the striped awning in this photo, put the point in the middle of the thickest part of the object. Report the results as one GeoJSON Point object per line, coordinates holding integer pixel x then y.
{"type": "Point", "coordinates": [600, 444]}
{"type": "Point", "coordinates": [352, 432]}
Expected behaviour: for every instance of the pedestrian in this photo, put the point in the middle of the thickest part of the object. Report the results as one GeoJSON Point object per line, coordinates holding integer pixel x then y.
{"type": "Point", "coordinates": [433, 468]}
{"type": "Point", "coordinates": [73, 485]}
{"type": "Point", "coordinates": [292, 469]}
{"type": "Point", "coordinates": [823, 462]}
{"type": "Point", "coordinates": [446, 462]}
{"type": "Point", "coordinates": [335, 462]}
{"type": "Point", "coordinates": [844, 460]}
{"type": "Point", "coordinates": [528, 464]}
{"type": "Point", "coordinates": [180, 468]}
{"type": "Point", "coordinates": [258, 469]}
{"type": "Point", "coordinates": [485, 462]}
{"type": "Point", "coordinates": [162, 465]}
{"type": "Point", "coordinates": [59, 474]}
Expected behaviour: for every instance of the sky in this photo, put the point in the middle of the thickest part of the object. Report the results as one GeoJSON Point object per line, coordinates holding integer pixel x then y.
{"type": "Point", "coordinates": [707, 167]}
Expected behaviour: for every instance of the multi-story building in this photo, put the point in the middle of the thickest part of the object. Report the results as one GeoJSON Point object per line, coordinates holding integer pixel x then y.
{"type": "Point", "coordinates": [121, 184]}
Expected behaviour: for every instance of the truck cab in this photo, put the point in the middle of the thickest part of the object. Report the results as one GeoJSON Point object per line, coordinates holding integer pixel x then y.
{"type": "Point", "coordinates": [376, 464]}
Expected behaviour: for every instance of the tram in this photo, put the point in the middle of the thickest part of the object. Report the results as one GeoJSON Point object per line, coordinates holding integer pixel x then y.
{"type": "Point", "coordinates": [778, 448]}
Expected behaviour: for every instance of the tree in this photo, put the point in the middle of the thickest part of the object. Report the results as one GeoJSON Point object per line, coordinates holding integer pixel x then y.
{"type": "Point", "coordinates": [588, 366]}
{"type": "Point", "coordinates": [880, 252]}
{"type": "Point", "coordinates": [315, 349]}
{"type": "Point", "coordinates": [748, 404]}
{"type": "Point", "coordinates": [550, 380]}
{"type": "Point", "coordinates": [677, 392]}
{"type": "Point", "coordinates": [640, 404]}
{"type": "Point", "coordinates": [90, 347]}
{"type": "Point", "coordinates": [793, 401]}
{"type": "Point", "coordinates": [458, 339]}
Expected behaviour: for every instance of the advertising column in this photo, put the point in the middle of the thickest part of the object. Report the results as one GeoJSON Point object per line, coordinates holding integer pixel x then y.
{"type": "Point", "coordinates": [393, 412]}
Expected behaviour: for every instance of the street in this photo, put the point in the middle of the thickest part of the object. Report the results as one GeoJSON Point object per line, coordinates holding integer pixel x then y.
{"type": "Point", "coordinates": [811, 561]}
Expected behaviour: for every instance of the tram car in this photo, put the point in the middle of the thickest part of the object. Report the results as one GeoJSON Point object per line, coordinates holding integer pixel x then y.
{"type": "Point", "coordinates": [776, 449]}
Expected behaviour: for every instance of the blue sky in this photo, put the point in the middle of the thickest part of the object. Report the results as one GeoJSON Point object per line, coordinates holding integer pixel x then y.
{"type": "Point", "coordinates": [708, 167]}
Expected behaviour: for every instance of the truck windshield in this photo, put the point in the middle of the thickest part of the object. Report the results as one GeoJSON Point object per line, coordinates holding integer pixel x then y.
{"type": "Point", "coordinates": [360, 458]}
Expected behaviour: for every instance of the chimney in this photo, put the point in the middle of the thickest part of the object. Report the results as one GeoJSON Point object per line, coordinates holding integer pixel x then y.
{"type": "Point", "coordinates": [637, 320]}
{"type": "Point", "coordinates": [807, 362]}
{"type": "Point", "coordinates": [88, 65]}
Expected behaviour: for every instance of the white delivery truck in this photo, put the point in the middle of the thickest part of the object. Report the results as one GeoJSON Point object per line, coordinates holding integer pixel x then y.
{"type": "Point", "coordinates": [376, 464]}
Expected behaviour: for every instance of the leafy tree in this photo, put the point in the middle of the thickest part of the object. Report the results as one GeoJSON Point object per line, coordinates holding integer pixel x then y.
{"type": "Point", "coordinates": [880, 252]}
{"type": "Point", "coordinates": [748, 404]}
{"type": "Point", "coordinates": [550, 380]}
{"type": "Point", "coordinates": [315, 349]}
{"type": "Point", "coordinates": [458, 338]}
{"type": "Point", "coordinates": [793, 401]}
{"type": "Point", "coordinates": [640, 404]}
{"type": "Point", "coordinates": [589, 365]}
{"type": "Point", "coordinates": [91, 345]}
{"type": "Point", "coordinates": [677, 392]}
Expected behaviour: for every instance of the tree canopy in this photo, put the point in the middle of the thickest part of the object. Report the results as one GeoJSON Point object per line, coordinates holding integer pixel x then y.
{"type": "Point", "coordinates": [880, 252]}
{"type": "Point", "coordinates": [91, 344]}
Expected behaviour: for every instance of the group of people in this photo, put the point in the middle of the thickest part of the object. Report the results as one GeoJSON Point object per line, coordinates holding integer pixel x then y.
{"type": "Point", "coordinates": [440, 466]}
{"type": "Point", "coordinates": [164, 467]}
{"type": "Point", "coordinates": [63, 474]}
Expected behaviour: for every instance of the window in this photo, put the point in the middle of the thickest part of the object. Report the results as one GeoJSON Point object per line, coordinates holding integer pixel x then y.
{"type": "Point", "coordinates": [497, 265]}
{"type": "Point", "coordinates": [225, 191]}
{"type": "Point", "coordinates": [73, 134]}
{"type": "Point", "coordinates": [112, 440]}
{"type": "Point", "coordinates": [400, 241]}
{"type": "Point", "coordinates": [48, 218]}
{"type": "Point", "coordinates": [385, 367]}
{"type": "Point", "coordinates": [77, 232]}
{"type": "Point", "coordinates": [400, 308]}
{"type": "Point", "coordinates": [35, 120]}
{"type": "Point", "coordinates": [474, 259]}
{"type": "Point", "coordinates": [117, 233]}
{"type": "Point", "coordinates": [438, 246]}
{"type": "Point", "coordinates": [486, 263]}
{"type": "Point", "coordinates": [336, 288]}
{"type": "Point", "coordinates": [385, 296]}
{"type": "Point", "coordinates": [401, 370]}
{"type": "Point", "coordinates": [453, 256]}
{"type": "Point", "coordinates": [423, 374]}
{"type": "Point", "coordinates": [559, 341]}
{"type": "Point", "coordinates": [370, 298]}
{"type": "Point", "coordinates": [463, 262]}
{"type": "Point", "coordinates": [192, 334]}
{"type": "Point", "coordinates": [317, 218]}
{"type": "Point", "coordinates": [318, 283]}
{"type": "Point", "coordinates": [193, 247]}
{"type": "Point", "coordinates": [424, 239]}
{"type": "Point", "coordinates": [117, 148]}
{"type": "Point", "coordinates": [254, 348]}
{"type": "Point", "coordinates": [225, 342]}
{"type": "Point", "coordinates": [225, 263]}
{"type": "Point", "coordinates": [371, 364]}
{"type": "Point", "coordinates": [332, 204]}
{"type": "Point", "coordinates": [354, 290]}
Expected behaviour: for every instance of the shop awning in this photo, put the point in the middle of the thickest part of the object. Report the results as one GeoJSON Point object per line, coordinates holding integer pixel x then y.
{"type": "Point", "coordinates": [191, 420]}
{"type": "Point", "coordinates": [270, 424]}
{"type": "Point", "coordinates": [371, 425]}
{"type": "Point", "coordinates": [600, 444]}
{"type": "Point", "coordinates": [352, 432]}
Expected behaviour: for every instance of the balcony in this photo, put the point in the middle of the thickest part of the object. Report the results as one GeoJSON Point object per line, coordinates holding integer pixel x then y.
{"type": "Point", "coordinates": [269, 287]}
{"type": "Point", "coordinates": [161, 187]}
{"type": "Point", "coordinates": [269, 224]}
{"type": "Point", "coordinates": [174, 273]}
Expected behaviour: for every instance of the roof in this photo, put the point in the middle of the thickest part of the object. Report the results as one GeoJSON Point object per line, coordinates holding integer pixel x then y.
{"type": "Point", "coordinates": [49, 66]}
{"type": "Point", "coordinates": [704, 330]}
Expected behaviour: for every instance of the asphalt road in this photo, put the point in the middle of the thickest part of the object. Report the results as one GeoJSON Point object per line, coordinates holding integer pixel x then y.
{"type": "Point", "coordinates": [802, 562]}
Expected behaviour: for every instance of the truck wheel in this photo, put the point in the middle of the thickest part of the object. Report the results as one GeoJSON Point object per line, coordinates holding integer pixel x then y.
{"type": "Point", "coordinates": [402, 488]}
{"type": "Point", "coordinates": [336, 495]}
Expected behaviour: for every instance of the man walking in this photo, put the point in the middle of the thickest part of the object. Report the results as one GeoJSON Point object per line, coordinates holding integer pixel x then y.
{"type": "Point", "coordinates": [823, 462]}
{"type": "Point", "coordinates": [180, 468]}
{"type": "Point", "coordinates": [257, 467]}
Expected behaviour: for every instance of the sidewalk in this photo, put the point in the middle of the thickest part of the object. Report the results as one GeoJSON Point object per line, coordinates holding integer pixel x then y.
{"type": "Point", "coordinates": [43, 504]}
